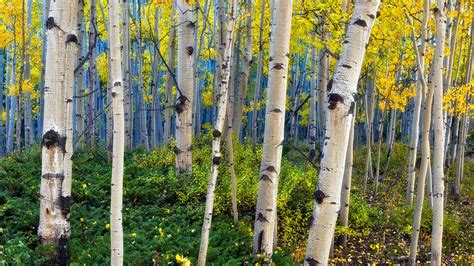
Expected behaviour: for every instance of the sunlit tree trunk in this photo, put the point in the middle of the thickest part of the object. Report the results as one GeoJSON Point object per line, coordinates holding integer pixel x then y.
{"type": "Point", "coordinates": [218, 128]}
{"type": "Point", "coordinates": [418, 101]}
{"type": "Point", "coordinates": [369, 118]}
{"type": "Point", "coordinates": [339, 114]}
{"type": "Point", "coordinates": [346, 183]}
{"type": "Point", "coordinates": [185, 94]}
{"type": "Point", "coordinates": [439, 133]}
{"type": "Point", "coordinates": [55, 191]}
{"type": "Point", "coordinates": [274, 128]}
{"type": "Point", "coordinates": [118, 146]}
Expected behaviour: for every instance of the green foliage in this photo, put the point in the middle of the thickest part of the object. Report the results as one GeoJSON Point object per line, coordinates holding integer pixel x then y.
{"type": "Point", "coordinates": [163, 212]}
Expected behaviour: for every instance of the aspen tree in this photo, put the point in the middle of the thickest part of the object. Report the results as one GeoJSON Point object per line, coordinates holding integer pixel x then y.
{"type": "Point", "coordinates": [169, 79]}
{"type": "Point", "coordinates": [126, 72]}
{"type": "Point", "coordinates": [55, 191]}
{"type": "Point", "coordinates": [218, 128]}
{"type": "Point", "coordinates": [418, 101]}
{"type": "Point", "coordinates": [346, 183]}
{"type": "Point", "coordinates": [258, 86]}
{"type": "Point", "coordinates": [185, 86]}
{"type": "Point", "coordinates": [339, 114]}
{"type": "Point", "coordinates": [79, 117]}
{"type": "Point", "coordinates": [248, 59]}
{"type": "Point", "coordinates": [274, 128]}
{"type": "Point", "coordinates": [439, 137]}
{"type": "Point", "coordinates": [116, 75]}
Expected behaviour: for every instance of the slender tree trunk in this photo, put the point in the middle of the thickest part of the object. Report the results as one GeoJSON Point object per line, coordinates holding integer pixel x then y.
{"type": "Point", "coordinates": [79, 119]}
{"type": "Point", "coordinates": [439, 134]}
{"type": "Point", "coordinates": [369, 113]}
{"type": "Point", "coordinates": [274, 128]}
{"type": "Point", "coordinates": [184, 101]}
{"type": "Point", "coordinates": [421, 90]}
{"type": "Point", "coordinates": [92, 73]}
{"type": "Point", "coordinates": [244, 79]}
{"type": "Point", "coordinates": [312, 120]}
{"type": "Point", "coordinates": [118, 147]}
{"type": "Point", "coordinates": [44, 18]}
{"type": "Point", "coordinates": [28, 128]}
{"type": "Point", "coordinates": [55, 190]}
{"type": "Point", "coordinates": [323, 79]}
{"type": "Point", "coordinates": [346, 183]}
{"type": "Point", "coordinates": [218, 128]}
{"type": "Point", "coordinates": [339, 114]}
{"type": "Point", "coordinates": [127, 95]}
{"type": "Point", "coordinates": [258, 85]}
{"type": "Point", "coordinates": [169, 80]}
{"type": "Point", "coordinates": [425, 160]}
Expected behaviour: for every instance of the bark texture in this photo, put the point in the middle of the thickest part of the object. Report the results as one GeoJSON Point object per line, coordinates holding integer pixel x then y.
{"type": "Point", "coordinates": [274, 128]}
{"type": "Point", "coordinates": [55, 191]}
{"type": "Point", "coordinates": [185, 95]}
{"type": "Point", "coordinates": [339, 114]}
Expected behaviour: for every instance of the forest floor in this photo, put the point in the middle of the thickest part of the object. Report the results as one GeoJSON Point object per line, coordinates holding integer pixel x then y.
{"type": "Point", "coordinates": [163, 213]}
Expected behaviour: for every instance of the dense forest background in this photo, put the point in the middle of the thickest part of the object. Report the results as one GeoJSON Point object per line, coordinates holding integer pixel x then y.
{"type": "Point", "coordinates": [307, 132]}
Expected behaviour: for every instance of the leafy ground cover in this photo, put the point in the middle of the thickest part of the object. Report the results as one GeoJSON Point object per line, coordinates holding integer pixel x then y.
{"type": "Point", "coordinates": [163, 213]}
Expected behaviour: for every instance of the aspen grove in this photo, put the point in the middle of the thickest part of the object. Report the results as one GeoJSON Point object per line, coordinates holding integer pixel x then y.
{"type": "Point", "coordinates": [236, 132]}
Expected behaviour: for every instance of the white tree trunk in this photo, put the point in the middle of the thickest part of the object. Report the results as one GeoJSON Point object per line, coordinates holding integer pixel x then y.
{"type": "Point", "coordinates": [418, 101]}
{"type": "Point", "coordinates": [339, 114]}
{"type": "Point", "coordinates": [425, 160]}
{"type": "Point", "coordinates": [217, 134]}
{"type": "Point", "coordinates": [185, 94]}
{"type": "Point", "coordinates": [116, 75]}
{"type": "Point", "coordinates": [346, 183]}
{"type": "Point", "coordinates": [274, 128]}
{"type": "Point", "coordinates": [55, 192]}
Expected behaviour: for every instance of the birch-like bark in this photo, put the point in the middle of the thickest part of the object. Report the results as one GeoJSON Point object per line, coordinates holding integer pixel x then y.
{"type": "Point", "coordinates": [55, 191]}
{"type": "Point", "coordinates": [116, 75]}
{"type": "Point", "coordinates": [258, 80]}
{"type": "Point", "coordinates": [185, 95]}
{"type": "Point", "coordinates": [218, 128]}
{"type": "Point", "coordinates": [274, 128]}
{"type": "Point", "coordinates": [439, 138]}
{"type": "Point", "coordinates": [339, 114]}
{"type": "Point", "coordinates": [244, 78]}
{"type": "Point", "coordinates": [169, 79]}
{"type": "Point", "coordinates": [369, 113]}
{"type": "Point", "coordinates": [127, 95]}
{"type": "Point", "coordinates": [346, 183]}
{"type": "Point", "coordinates": [79, 117]}
{"type": "Point", "coordinates": [323, 79]}
{"type": "Point", "coordinates": [425, 160]}
{"type": "Point", "coordinates": [420, 90]}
